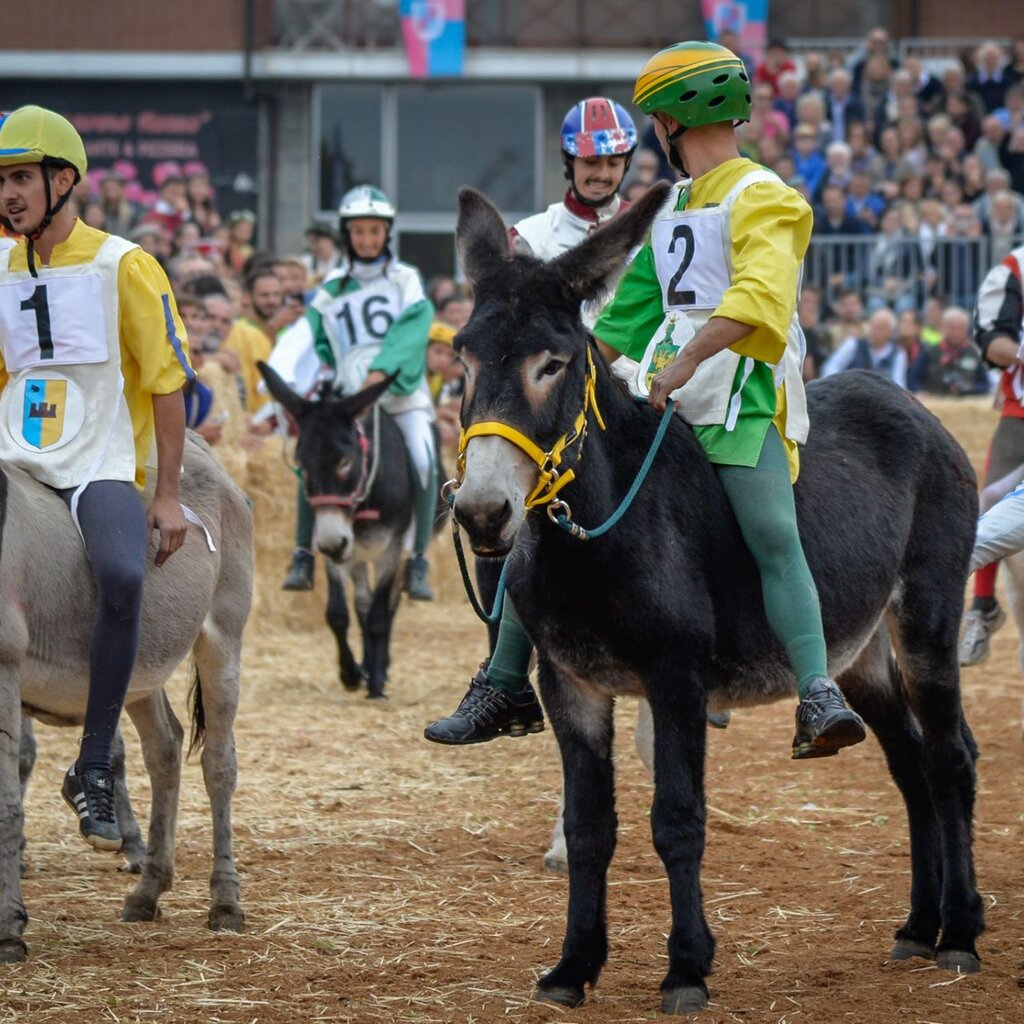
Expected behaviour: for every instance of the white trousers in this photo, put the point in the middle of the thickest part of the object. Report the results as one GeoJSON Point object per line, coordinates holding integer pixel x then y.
{"type": "Point", "coordinates": [415, 425]}
{"type": "Point", "coordinates": [1001, 525]}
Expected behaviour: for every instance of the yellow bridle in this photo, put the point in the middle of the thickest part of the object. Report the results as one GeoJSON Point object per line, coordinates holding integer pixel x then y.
{"type": "Point", "coordinates": [550, 480]}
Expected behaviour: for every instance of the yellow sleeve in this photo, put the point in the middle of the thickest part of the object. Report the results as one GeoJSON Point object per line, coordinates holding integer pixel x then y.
{"type": "Point", "coordinates": [152, 334]}
{"type": "Point", "coordinates": [770, 225]}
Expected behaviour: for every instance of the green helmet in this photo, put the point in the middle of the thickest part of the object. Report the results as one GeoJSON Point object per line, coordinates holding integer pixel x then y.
{"type": "Point", "coordinates": [696, 83]}
{"type": "Point", "coordinates": [365, 201]}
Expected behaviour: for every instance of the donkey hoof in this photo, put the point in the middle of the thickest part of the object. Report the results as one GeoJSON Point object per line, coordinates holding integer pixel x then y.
{"type": "Point", "coordinates": [560, 995]}
{"type": "Point", "coordinates": [958, 960]}
{"type": "Point", "coordinates": [138, 910]}
{"type": "Point", "coordinates": [376, 695]}
{"type": "Point", "coordinates": [555, 864]}
{"type": "Point", "coordinates": [683, 1000]}
{"type": "Point", "coordinates": [905, 949]}
{"type": "Point", "coordinates": [13, 951]}
{"type": "Point", "coordinates": [226, 917]}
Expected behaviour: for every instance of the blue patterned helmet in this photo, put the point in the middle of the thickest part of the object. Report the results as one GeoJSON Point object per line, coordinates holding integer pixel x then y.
{"type": "Point", "coordinates": [598, 126]}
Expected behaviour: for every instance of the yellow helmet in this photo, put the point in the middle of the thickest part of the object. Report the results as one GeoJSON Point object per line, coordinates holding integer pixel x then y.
{"type": "Point", "coordinates": [35, 135]}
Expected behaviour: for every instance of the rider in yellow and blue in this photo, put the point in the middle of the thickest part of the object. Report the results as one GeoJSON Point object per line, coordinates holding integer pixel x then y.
{"type": "Point", "coordinates": [93, 359]}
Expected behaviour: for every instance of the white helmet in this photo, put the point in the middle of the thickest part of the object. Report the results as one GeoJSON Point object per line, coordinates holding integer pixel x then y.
{"type": "Point", "coordinates": [365, 201]}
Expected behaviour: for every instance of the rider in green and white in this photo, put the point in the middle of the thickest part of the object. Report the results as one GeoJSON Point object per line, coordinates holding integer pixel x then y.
{"type": "Point", "coordinates": [368, 320]}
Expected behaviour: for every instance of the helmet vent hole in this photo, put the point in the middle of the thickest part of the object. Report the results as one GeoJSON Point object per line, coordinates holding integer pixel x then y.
{"type": "Point", "coordinates": [747, 97]}
{"type": "Point", "coordinates": [743, 77]}
{"type": "Point", "coordinates": [720, 79]}
{"type": "Point", "coordinates": [687, 96]}
{"type": "Point", "coordinates": [717, 101]}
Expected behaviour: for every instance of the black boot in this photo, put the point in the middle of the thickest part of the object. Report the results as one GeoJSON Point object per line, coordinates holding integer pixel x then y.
{"type": "Point", "coordinates": [486, 712]}
{"type": "Point", "coordinates": [300, 573]}
{"type": "Point", "coordinates": [824, 724]}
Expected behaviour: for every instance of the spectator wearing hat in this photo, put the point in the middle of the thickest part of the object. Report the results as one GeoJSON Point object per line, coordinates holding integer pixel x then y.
{"type": "Point", "coordinates": [324, 254]}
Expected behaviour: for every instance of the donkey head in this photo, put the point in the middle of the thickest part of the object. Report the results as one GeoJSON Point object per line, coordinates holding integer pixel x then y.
{"type": "Point", "coordinates": [527, 358]}
{"type": "Point", "coordinates": [332, 457]}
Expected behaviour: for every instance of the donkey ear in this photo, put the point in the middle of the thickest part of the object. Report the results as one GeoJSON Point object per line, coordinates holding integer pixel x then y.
{"type": "Point", "coordinates": [355, 405]}
{"type": "Point", "coordinates": [281, 393]}
{"type": "Point", "coordinates": [481, 233]}
{"type": "Point", "coordinates": [588, 268]}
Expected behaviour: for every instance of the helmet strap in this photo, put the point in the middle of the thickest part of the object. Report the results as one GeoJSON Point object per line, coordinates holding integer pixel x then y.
{"type": "Point", "coordinates": [52, 209]}
{"type": "Point", "coordinates": [675, 158]}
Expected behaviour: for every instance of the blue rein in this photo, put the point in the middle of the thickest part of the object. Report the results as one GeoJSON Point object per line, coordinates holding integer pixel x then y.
{"type": "Point", "coordinates": [562, 519]}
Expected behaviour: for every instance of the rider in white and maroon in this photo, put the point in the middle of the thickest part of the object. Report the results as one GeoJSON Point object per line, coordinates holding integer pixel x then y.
{"type": "Point", "coordinates": [598, 139]}
{"type": "Point", "coordinates": [998, 332]}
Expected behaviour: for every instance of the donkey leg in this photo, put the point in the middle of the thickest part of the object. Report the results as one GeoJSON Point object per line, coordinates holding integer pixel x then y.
{"type": "Point", "coordinates": [927, 631]}
{"type": "Point", "coordinates": [873, 687]}
{"type": "Point", "coordinates": [582, 720]}
{"type": "Point", "coordinates": [13, 917]}
{"type": "Point", "coordinates": [678, 821]}
{"type": "Point", "coordinates": [218, 661]}
{"type": "Point", "coordinates": [133, 848]}
{"type": "Point", "coordinates": [337, 618]}
{"type": "Point", "coordinates": [161, 735]}
{"type": "Point", "coordinates": [378, 619]}
{"type": "Point", "coordinates": [26, 762]}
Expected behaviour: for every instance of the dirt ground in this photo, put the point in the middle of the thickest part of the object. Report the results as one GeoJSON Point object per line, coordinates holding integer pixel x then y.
{"type": "Point", "coordinates": [386, 879]}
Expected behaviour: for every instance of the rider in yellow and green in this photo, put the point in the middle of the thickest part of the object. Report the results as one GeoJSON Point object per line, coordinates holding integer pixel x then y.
{"type": "Point", "coordinates": [708, 308]}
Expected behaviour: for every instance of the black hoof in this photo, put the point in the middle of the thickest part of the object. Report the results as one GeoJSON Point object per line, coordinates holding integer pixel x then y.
{"type": "Point", "coordinates": [560, 995]}
{"type": "Point", "coordinates": [905, 949]}
{"type": "Point", "coordinates": [683, 1000]}
{"type": "Point", "coordinates": [958, 960]}
{"type": "Point", "coordinates": [13, 951]}
{"type": "Point", "coordinates": [140, 912]}
{"type": "Point", "coordinates": [377, 696]}
{"type": "Point", "coordinates": [226, 918]}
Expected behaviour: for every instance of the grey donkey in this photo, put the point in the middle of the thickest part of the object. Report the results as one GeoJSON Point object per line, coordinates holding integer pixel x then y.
{"type": "Point", "coordinates": [197, 603]}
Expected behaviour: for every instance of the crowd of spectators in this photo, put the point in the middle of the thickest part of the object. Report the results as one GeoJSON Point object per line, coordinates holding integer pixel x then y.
{"type": "Point", "coordinates": [915, 173]}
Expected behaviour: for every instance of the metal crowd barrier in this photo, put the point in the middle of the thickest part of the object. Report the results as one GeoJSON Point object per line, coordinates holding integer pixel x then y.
{"type": "Point", "coordinates": [903, 273]}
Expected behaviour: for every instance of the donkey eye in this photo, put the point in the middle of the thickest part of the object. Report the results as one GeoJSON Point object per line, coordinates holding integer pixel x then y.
{"type": "Point", "coordinates": [551, 367]}
{"type": "Point", "coordinates": [341, 470]}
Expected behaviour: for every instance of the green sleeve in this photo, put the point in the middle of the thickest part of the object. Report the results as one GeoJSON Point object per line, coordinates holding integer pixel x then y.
{"type": "Point", "coordinates": [405, 348]}
{"type": "Point", "coordinates": [635, 312]}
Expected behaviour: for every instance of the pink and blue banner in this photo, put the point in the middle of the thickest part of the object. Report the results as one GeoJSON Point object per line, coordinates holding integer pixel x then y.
{"type": "Point", "coordinates": [748, 19]}
{"type": "Point", "coordinates": [434, 32]}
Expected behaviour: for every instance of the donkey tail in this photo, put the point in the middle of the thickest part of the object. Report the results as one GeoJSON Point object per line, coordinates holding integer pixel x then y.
{"type": "Point", "coordinates": [195, 699]}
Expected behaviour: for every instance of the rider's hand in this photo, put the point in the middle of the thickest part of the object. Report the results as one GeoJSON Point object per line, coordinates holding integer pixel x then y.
{"type": "Point", "coordinates": [675, 375]}
{"type": "Point", "coordinates": [165, 515]}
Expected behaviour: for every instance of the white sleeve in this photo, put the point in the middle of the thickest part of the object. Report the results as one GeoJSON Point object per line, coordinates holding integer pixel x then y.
{"type": "Point", "coordinates": [899, 369]}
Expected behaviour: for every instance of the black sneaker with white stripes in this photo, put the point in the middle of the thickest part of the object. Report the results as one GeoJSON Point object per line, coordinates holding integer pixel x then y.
{"type": "Point", "coordinates": [486, 712]}
{"type": "Point", "coordinates": [90, 794]}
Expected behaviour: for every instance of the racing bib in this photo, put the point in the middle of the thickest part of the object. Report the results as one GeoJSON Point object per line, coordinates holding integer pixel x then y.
{"type": "Point", "coordinates": [361, 317]}
{"type": "Point", "coordinates": [690, 258]}
{"type": "Point", "coordinates": [57, 322]}
{"type": "Point", "coordinates": [45, 413]}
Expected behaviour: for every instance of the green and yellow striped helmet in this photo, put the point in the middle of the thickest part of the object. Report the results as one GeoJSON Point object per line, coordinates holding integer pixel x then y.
{"type": "Point", "coordinates": [697, 83]}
